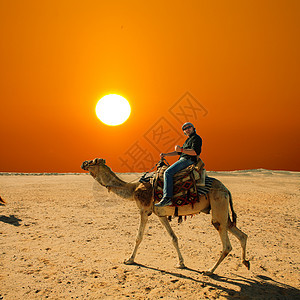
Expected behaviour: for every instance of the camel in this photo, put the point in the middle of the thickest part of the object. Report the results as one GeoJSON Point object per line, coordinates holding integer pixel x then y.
{"type": "Point", "coordinates": [219, 199]}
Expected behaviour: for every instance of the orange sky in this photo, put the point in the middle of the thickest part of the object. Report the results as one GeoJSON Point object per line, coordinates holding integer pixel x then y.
{"type": "Point", "coordinates": [237, 62]}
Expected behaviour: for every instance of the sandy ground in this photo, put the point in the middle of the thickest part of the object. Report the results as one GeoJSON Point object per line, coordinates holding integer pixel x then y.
{"type": "Point", "coordinates": [65, 237]}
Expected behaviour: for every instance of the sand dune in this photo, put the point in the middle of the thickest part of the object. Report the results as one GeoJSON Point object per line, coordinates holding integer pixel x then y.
{"type": "Point", "coordinates": [65, 237]}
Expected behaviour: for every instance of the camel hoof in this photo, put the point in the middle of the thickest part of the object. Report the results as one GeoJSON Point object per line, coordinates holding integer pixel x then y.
{"type": "Point", "coordinates": [181, 266]}
{"type": "Point", "coordinates": [129, 262]}
{"type": "Point", "coordinates": [208, 273]}
{"type": "Point", "coordinates": [247, 264]}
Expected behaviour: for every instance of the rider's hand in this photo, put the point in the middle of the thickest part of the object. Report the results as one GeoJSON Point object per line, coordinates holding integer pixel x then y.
{"type": "Point", "coordinates": [177, 148]}
{"type": "Point", "coordinates": [162, 155]}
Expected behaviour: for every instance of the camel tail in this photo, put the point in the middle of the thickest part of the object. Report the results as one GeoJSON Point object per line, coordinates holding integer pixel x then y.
{"type": "Point", "coordinates": [234, 216]}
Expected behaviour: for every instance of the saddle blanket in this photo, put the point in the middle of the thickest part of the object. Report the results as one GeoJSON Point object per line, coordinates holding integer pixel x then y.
{"type": "Point", "coordinates": [203, 190]}
{"type": "Point", "coordinates": [185, 190]}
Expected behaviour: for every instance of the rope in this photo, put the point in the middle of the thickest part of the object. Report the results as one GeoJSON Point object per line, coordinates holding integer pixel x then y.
{"type": "Point", "coordinates": [162, 160]}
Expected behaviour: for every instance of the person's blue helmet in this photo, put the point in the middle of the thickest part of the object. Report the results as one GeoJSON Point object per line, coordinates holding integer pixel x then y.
{"type": "Point", "coordinates": [187, 124]}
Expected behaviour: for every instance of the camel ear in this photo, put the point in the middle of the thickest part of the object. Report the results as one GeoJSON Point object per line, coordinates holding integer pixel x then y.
{"type": "Point", "coordinates": [101, 161]}
{"type": "Point", "coordinates": [98, 161]}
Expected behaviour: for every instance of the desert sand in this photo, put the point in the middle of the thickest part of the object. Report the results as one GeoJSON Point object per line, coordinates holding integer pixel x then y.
{"type": "Point", "coordinates": [63, 236]}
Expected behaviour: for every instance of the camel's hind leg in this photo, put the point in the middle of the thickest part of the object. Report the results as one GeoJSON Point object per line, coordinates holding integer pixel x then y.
{"type": "Point", "coordinates": [166, 223]}
{"type": "Point", "coordinates": [242, 237]}
{"type": "Point", "coordinates": [139, 238]}
{"type": "Point", "coordinates": [222, 229]}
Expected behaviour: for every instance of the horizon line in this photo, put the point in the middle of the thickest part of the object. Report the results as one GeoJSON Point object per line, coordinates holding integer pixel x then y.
{"type": "Point", "coordinates": [80, 173]}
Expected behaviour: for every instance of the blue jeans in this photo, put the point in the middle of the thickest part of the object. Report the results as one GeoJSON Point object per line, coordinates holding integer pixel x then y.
{"type": "Point", "coordinates": [179, 165]}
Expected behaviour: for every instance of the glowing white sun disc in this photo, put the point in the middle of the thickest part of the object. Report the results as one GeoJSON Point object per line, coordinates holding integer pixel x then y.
{"type": "Point", "coordinates": [113, 109]}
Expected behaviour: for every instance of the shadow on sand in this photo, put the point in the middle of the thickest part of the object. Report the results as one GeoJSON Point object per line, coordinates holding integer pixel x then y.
{"type": "Point", "coordinates": [10, 220]}
{"type": "Point", "coordinates": [261, 287]}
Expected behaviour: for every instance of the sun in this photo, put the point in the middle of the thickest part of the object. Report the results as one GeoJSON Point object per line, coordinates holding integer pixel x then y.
{"type": "Point", "coordinates": [113, 110]}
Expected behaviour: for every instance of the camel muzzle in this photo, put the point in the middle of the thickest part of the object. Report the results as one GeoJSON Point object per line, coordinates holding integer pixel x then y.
{"type": "Point", "coordinates": [85, 165]}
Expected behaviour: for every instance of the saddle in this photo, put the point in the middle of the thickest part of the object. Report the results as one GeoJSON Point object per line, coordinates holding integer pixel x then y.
{"type": "Point", "coordinates": [185, 183]}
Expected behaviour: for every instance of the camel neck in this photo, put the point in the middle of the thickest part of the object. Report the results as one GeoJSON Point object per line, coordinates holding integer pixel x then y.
{"type": "Point", "coordinates": [114, 184]}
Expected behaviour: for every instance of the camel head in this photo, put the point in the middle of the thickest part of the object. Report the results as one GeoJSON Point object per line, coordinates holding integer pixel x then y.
{"type": "Point", "coordinates": [94, 166]}
{"type": "Point", "coordinates": [101, 172]}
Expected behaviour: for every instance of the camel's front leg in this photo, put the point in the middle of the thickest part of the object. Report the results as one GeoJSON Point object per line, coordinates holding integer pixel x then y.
{"type": "Point", "coordinates": [143, 222]}
{"type": "Point", "coordinates": [166, 223]}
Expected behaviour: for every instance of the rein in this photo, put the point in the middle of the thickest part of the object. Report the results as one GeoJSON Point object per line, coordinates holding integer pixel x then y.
{"type": "Point", "coordinates": [161, 162]}
{"type": "Point", "coordinates": [143, 178]}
